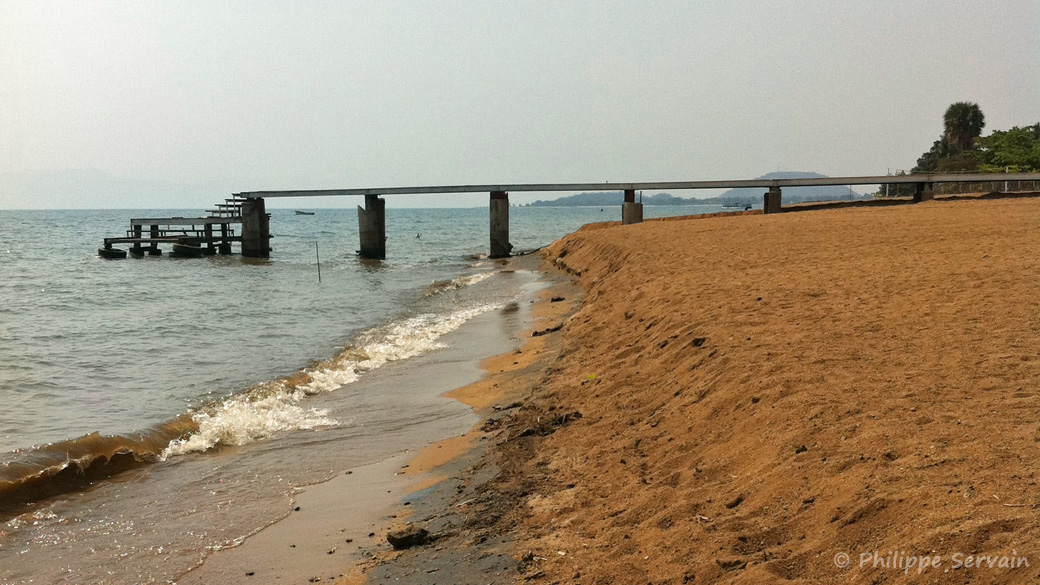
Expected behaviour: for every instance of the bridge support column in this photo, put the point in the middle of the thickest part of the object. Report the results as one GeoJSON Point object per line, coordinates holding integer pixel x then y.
{"type": "Point", "coordinates": [771, 201]}
{"type": "Point", "coordinates": [256, 229]}
{"type": "Point", "coordinates": [372, 227]}
{"type": "Point", "coordinates": [631, 212]}
{"type": "Point", "coordinates": [923, 192]}
{"type": "Point", "coordinates": [500, 246]}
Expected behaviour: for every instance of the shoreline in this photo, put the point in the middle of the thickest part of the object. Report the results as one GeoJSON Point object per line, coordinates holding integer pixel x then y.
{"type": "Point", "coordinates": [344, 521]}
{"type": "Point", "coordinates": [743, 400]}
{"type": "Point", "coordinates": [457, 497]}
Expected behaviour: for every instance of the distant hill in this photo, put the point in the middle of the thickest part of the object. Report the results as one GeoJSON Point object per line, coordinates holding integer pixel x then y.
{"type": "Point", "coordinates": [793, 194]}
{"type": "Point", "coordinates": [733, 197]}
{"type": "Point", "coordinates": [608, 198]}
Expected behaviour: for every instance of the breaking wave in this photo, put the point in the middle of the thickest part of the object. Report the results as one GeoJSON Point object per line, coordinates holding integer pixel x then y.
{"type": "Point", "coordinates": [260, 411]}
{"type": "Point", "coordinates": [275, 406]}
{"type": "Point", "coordinates": [456, 283]}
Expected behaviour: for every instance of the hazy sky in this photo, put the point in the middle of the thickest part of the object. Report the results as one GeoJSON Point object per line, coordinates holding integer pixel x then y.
{"type": "Point", "coordinates": [205, 98]}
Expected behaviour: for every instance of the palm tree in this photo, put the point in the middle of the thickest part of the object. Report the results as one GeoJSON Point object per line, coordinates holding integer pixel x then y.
{"type": "Point", "coordinates": [964, 122]}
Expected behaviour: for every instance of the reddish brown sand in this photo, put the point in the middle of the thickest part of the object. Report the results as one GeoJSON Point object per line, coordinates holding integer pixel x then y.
{"type": "Point", "coordinates": [760, 393]}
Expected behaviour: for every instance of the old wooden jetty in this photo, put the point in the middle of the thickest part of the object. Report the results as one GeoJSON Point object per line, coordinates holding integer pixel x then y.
{"type": "Point", "coordinates": [214, 233]}
{"type": "Point", "coordinates": [193, 236]}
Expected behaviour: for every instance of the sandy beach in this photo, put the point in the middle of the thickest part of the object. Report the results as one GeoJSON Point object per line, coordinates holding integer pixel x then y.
{"type": "Point", "coordinates": [806, 397]}
{"type": "Point", "coordinates": [762, 393]}
{"type": "Point", "coordinates": [749, 399]}
{"type": "Point", "coordinates": [592, 293]}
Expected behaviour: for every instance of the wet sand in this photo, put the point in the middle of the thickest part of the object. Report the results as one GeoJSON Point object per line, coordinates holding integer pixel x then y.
{"type": "Point", "coordinates": [330, 526]}
{"type": "Point", "coordinates": [467, 489]}
{"type": "Point", "coordinates": [330, 521]}
{"type": "Point", "coordinates": [747, 398]}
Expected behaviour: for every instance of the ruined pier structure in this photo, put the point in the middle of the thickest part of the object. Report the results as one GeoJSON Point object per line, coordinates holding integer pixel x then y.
{"type": "Point", "coordinates": [197, 236]}
{"type": "Point", "coordinates": [372, 217]}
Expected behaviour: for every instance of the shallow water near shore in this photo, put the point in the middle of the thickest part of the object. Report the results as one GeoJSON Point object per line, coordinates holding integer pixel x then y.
{"type": "Point", "coordinates": [216, 385]}
{"type": "Point", "coordinates": [90, 345]}
{"type": "Point", "coordinates": [154, 523]}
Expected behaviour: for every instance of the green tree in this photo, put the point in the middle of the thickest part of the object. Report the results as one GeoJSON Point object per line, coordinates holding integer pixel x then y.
{"type": "Point", "coordinates": [929, 161]}
{"type": "Point", "coordinates": [896, 189]}
{"type": "Point", "coordinates": [963, 123]}
{"type": "Point", "coordinates": [1016, 150]}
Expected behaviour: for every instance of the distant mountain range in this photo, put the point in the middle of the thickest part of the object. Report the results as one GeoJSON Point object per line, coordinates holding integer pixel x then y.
{"type": "Point", "coordinates": [733, 197]}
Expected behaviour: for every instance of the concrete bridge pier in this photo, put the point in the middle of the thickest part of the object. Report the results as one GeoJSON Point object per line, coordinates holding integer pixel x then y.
{"type": "Point", "coordinates": [500, 246]}
{"type": "Point", "coordinates": [372, 227]}
{"type": "Point", "coordinates": [256, 229]}
{"type": "Point", "coordinates": [771, 201]}
{"type": "Point", "coordinates": [631, 212]}
{"type": "Point", "coordinates": [923, 192]}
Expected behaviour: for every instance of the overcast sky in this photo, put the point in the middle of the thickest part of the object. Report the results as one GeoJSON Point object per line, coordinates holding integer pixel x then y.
{"type": "Point", "coordinates": [205, 98]}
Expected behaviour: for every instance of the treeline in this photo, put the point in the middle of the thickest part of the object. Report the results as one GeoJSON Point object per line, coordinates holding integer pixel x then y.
{"type": "Point", "coordinates": [962, 149]}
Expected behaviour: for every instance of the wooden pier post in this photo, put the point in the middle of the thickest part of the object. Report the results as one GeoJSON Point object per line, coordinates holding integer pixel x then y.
{"type": "Point", "coordinates": [372, 227]}
{"type": "Point", "coordinates": [225, 241]}
{"type": "Point", "coordinates": [631, 212]}
{"type": "Point", "coordinates": [210, 244]}
{"type": "Point", "coordinates": [256, 230]}
{"type": "Point", "coordinates": [153, 231]}
{"type": "Point", "coordinates": [499, 207]}
{"type": "Point", "coordinates": [136, 250]}
{"type": "Point", "coordinates": [771, 201]}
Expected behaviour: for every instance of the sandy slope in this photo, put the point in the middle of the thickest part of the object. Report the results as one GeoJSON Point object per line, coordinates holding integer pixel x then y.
{"type": "Point", "coordinates": [760, 393]}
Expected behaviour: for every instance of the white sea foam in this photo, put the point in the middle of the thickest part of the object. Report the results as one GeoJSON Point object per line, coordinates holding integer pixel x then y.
{"type": "Point", "coordinates": [471, 279]}
{"type": "Point", "coordinates": [458, 282]}
{"type": "Point", "coordinates": [276, 406]}
{"type": "Point", "coordinates": [397, 341]}
{"type": "Point", "coordinates": [244, 418]}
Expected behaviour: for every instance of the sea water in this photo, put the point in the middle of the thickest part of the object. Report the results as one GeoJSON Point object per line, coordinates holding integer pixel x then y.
{"type": "Point", "coordinates": [224, 380]}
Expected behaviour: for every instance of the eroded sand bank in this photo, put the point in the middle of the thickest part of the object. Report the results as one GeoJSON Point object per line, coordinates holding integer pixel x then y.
{"type": "Point", "coordinates": [775, 390]}
{"type": "Point", "coordinates": [746, 398]}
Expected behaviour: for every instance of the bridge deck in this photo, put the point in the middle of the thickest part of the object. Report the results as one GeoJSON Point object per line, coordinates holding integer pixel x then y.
{"type": "Point", "coordinates": [656, 186]}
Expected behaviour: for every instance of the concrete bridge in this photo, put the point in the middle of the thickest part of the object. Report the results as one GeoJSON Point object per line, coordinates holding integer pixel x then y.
{"type": "Point", "coordinates": [372, 217]}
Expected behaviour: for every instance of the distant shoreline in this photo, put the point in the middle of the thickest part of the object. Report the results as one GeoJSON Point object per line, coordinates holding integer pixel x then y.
{"type": "Point", "coordinates": [647, 204]}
